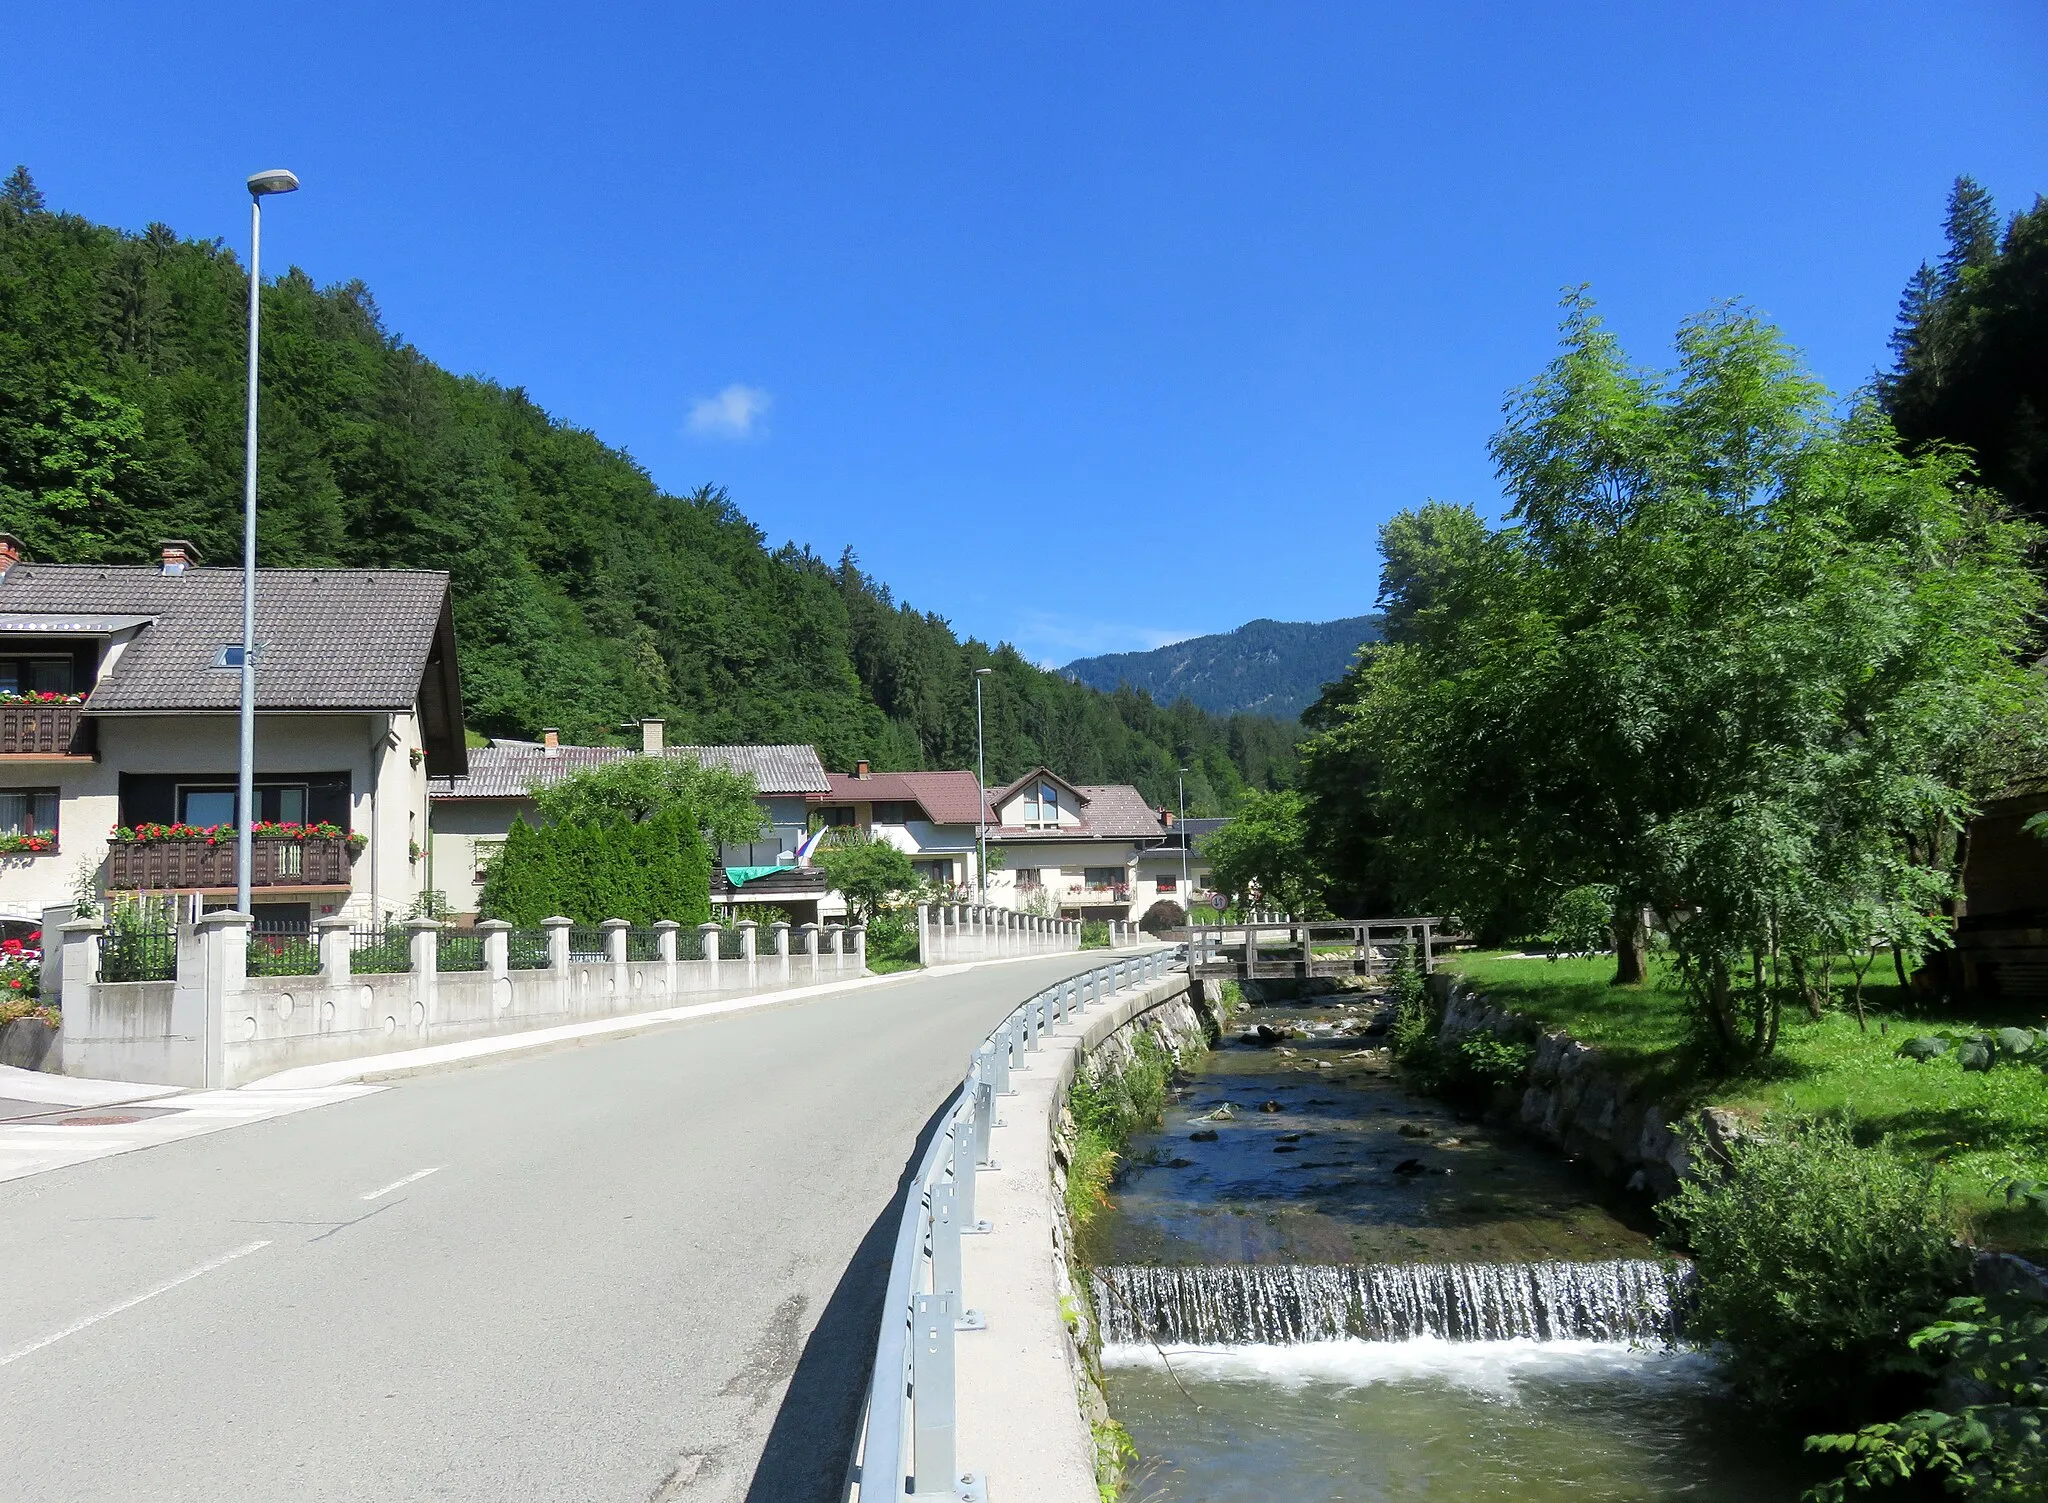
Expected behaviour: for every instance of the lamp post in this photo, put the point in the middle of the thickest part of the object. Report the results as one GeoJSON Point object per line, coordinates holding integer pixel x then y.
{"type": "Point", "coordinates": [980, 790]}
{"type": "Point", "coordinates": [1187, 897]}
{"type": "Point", "coordinates": [261, 184]}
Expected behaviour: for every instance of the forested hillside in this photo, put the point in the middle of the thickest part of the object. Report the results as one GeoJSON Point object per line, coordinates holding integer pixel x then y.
{"type": "Point", "coordinates": [586, 596]}
{"type": "Point", "coordinates": [1263, 668]}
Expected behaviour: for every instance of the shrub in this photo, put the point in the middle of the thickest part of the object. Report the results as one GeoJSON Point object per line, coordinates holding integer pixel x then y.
{"type": "Point", "coordinates": [1095, 935]}
{"type": "Point", "coordinates": [1994, 1449]}
{"type": "Point", "coordinates": [1162, 916]}
{"type": "Point", "coordinates": [892, 940]}
{"type": "Point", "coordinates": [1816, 1259]}
{"type": "Point", "coordinates": [1579, 920]}
{"type": "Point", "coordinates": [1107, 1108]}
{"type": "Point", "coordinates": [644, 872]}
{"type": "Point", "coordinates": [1489, 1061]}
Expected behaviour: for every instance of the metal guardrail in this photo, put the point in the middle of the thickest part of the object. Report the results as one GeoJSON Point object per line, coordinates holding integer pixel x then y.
{"type": "Point", "coordinates": [906, 1449]}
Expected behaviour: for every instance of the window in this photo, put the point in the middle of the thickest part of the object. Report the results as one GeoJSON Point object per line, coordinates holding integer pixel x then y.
{"type": "Point", "coordinates": [230, 656]}
{"type": "Point", "coordinates": [484, 851]}
{"type": "Point", "coordinates": [934, 871]}
{"type": "Point", "coordinates": [1169, 884]}
{"type": "Point", "coordinates": [1027, 879]}
{"type": "Point", "coordinates": [838, 814]}
{"type": "Point", "coordinates": [894, 812]}
{"type": "Point", "coordinates": [211, 804]}
{"type": "Point", "coordinates": [1105, 876]}
{"type": "Point", "coordinates": [1042, 805]}
{"type": "Point", "coordinates": [35, 675]}
{"type": "Point", "coordinates": [28, 811]}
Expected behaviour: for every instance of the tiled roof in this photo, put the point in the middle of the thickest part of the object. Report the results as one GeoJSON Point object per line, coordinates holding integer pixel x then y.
{"type": "Point", "coordinates": [331, 639]}
{"type": "Point", "coordinates": [1111, 811]}
{"type": "Point", "coordinates": [512, 769]}
{"type": "Point", "coordinates": [948, 798]}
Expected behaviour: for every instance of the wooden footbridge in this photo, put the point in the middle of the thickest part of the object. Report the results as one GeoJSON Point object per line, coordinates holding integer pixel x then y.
{"type": "Point", "coordinates": [1281, 950]}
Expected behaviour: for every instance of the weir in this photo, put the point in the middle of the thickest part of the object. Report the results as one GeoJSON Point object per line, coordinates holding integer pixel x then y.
{"type": "Point", "coordinates": [1624, 1299]}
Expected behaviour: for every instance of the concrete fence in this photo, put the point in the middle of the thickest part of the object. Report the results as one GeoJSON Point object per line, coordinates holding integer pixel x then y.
{"type": "Point", "coordinates": [217, 1026]}
{"type": "Point", "coordinates": [969, 931]}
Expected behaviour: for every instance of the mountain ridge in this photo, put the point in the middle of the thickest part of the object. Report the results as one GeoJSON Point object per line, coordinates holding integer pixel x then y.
{"type": "Point", "coordinates": [1264, 667]}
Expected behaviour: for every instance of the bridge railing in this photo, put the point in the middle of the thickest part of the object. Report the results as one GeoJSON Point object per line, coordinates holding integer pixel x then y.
{"type": "Point", "coordinates": [1322, 947]}
{"type": "Point", "coordinates": [972, 931]}
{"type": "Point", "coordinates": [906, 1448]}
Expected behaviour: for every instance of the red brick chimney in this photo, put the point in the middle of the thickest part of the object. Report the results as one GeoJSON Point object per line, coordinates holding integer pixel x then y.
{"type": "Point", "coordinates": [176, 555]}
{"type": "Point", "coordinates": [550, 742]}
{"type": "Point", "coordinates": [11, 552]}
{"type": "Point", "coordinates": [860, 769]}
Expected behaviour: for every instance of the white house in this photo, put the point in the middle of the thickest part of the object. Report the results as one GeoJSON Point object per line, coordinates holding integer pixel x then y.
{"type": "Point", "coordinates": [473, 812]}
{"type": "Point", "coordinates": [1075, 849]}
{"type": "Point", "coordinates": [120, 689]}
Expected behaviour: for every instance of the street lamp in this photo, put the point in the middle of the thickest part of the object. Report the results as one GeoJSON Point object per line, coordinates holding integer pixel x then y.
{"type": "Point", "coordinates": [261, 184]}
{"type": "Point", "coordinates": [980, 789]}
{"type": "Point", "coordinates": [1187, 897]}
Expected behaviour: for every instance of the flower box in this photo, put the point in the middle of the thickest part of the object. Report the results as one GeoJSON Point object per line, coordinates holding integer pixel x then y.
{"type": "Point", "coordinates": [176, 858]}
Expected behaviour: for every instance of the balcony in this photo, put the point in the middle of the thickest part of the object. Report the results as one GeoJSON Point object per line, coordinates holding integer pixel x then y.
{"type": "Point", "coordinates": [792, 882]}
{"type": "Point", "coordinates": [198, 865]}
{"type": "Point", "coordinates": [28, 729]}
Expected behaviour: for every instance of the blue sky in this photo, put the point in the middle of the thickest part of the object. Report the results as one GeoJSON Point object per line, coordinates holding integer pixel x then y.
{"type": "Point", "coordinates": [1087, 326]}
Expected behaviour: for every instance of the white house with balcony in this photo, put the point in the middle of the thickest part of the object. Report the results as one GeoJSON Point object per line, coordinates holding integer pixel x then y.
{"type": "Point", "coordinates": [120, 689]}
{"type": "Point", "coordinates": [1073, 849]}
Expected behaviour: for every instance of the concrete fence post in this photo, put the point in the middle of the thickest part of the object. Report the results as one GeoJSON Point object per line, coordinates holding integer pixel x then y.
{"type": "Point", "coordinates": [423, 939]}
{"type": "Point", "coordinates": [665, 941]}
{"type": "Point", "coordinates": [332, 939]}
{"type": "Point", "coordinates": [924, 934]}
{"type": "Point", "coordinates": [859, 935]}
{"type": "Point", "coordinates": [748, 955]}
{"type": "Point", "coordinates": [834, 934]}
{"type": "Point", "coordinates": [708, 934]}
{"type": "Point", "coordinates": [497, 947]}
{"type": "Point", "coordinates": [557, 929]}
{"type": "Point", "coordinates": [780, 931]}
{"type": "Point", "coordinates": [223, 953]}
{"type": "Point", "coordinates": [810, 942]}
{"type": "Point", "coordinates": [614, 932]}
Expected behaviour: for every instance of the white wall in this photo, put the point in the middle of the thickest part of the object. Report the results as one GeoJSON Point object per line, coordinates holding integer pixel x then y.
{"type": "Point", "coordinates": [1063, 868]}
{"type": "Point", "coordinates": [388, 795]}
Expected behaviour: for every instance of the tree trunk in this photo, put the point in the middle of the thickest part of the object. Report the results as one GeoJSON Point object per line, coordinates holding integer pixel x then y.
{"type": "Point", "coordinates": [1631, 944]}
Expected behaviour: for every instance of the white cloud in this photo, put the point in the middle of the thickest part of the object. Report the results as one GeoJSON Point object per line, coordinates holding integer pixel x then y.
{"type": "Point", "coordinates": [737, 412]}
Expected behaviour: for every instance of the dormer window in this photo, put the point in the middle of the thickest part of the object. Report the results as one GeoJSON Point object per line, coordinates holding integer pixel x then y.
{"type": "Point", "coordinates": [36, 675]}
{"type": "Point", "coordinates": [1042, 806]}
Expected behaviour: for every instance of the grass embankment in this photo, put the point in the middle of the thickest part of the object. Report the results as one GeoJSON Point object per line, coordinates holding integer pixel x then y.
{"type": "Point", "coordinates": [1983, 1128]}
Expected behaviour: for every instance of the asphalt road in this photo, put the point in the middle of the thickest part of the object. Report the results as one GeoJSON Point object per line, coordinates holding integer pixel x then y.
{"type": "Point", "coordinates": [642, 1269]}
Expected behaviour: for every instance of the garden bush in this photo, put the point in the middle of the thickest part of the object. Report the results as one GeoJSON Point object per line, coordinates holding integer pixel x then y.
{"type": "Point", "coordinates": [1816, 1259]}
{"type": "Point", "coordinates": [1162, 916]}
{"type": "Point", "coordinates": [1094, 935]}
{"type": "Point", "coordinates": [645, 872]}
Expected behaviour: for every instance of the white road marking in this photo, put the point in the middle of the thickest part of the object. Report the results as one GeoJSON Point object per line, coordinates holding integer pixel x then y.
{"type": "Point", "coordinates": [400, 1184]}
{"type": "Point", "coordinates": [128, 1304]}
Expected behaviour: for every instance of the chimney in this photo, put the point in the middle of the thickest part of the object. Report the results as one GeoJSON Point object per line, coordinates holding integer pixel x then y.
{"type": "Point", "coordinates": [860, 769]}
{"type": "Point", "coordinates": [177, 554]}
{"type": "Point", "coordinates": [11, 552]}
{"type": "Point", "coordinates": [1166, 818]}
{"type": "Point", "coordinates": [550, 742]}
{"type": "Point", "coordinates": [651, 732]}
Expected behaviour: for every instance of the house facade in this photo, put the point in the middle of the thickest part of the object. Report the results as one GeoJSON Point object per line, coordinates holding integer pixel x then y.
{"type": "Point", "coordinates": [1078, 850]}
{"type": "Point", "coordinates": [930, 816]}
{"type": "Point", "coordinates": [472, 814]}
{"type": "Point", "coordinates": [120, 693]}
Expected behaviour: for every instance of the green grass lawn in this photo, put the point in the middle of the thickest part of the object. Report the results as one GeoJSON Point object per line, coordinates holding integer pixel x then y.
{"type": "Point", "coordinates": [1983, 1128]}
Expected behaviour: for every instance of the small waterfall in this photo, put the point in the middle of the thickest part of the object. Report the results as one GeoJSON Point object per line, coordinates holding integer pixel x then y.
{"type": "Point", "coordinates": [1623, 1300]}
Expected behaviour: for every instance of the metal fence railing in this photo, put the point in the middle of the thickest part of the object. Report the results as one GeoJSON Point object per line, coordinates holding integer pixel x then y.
{"type": "Point", "coordinates": [282, 950]}
{"type": "Point", "coordinates": [906, 1445]}
{"type": "Point", "coordinates": [689, 943]}
{"type": "Point", "coordinates": [459, 952]}
{"type": "Point", "coordinates": [146, 952]}
{"type": "Point", "coordinates": [586, 943]}
{"type": "Point", "coordinates": [731, 944]}
{"type": "Point", "coordinates": [526, 950]}
{"type": "Point", "coordinates": [379, 950]}
{"type": "Point", "coordinates": [643, 944]}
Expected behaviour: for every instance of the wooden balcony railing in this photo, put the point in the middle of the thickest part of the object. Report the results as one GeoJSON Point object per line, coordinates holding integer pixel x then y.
{"type": "Point", "coordinates": [184, 865]}
{"type": "Point", "coordinates": [39, 730]}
